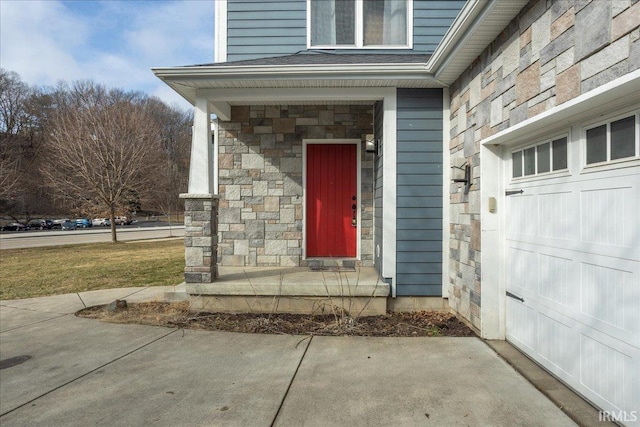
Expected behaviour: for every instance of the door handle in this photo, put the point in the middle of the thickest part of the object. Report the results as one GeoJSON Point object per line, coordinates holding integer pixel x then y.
{"type": "Point", "coordinates": [354, 219]}
{"type": "Point", "coordinates": [516, 297]}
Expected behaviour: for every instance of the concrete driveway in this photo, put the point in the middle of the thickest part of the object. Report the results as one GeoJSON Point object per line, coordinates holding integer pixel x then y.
{"type": "Point", "coordinates": [78, 371]}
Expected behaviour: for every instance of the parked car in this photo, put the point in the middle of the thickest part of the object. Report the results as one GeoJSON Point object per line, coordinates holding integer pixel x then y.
{"type": "Point", "coordinates": [104, 222]}
{"type": "Point", "coordinates": [15, 226]}
{"type": "Point", "coordinates": [35, 224]}
{"type": "Point", "coordinates": [57, 223]}
{"type": "Point", "coordinates": [69, 225]}
{"type": "Point", "coordinates": [122, 220]}
{"type": "Point", "coordinates": [82, 223]}
{"type": "Point", "coordinates": [40, 224]}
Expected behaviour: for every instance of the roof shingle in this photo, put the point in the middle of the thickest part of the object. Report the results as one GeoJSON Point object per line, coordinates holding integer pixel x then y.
{"type": "Point", "coordinates": [323, 58]}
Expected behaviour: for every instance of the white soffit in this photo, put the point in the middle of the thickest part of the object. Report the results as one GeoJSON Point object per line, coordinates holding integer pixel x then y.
{"type": "Point", "coordinates": [188, 80]}
{"type": "Point", "coordinates": [477, 25]}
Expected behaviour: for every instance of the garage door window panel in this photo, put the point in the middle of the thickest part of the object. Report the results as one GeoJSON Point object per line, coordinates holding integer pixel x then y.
{"type": "Point", "coordinates": [615, 140]}
{"type": "Point", "coordinates": [530, 161]}
{"type": "Point", "coordinates": [597, 145]}
{"type": "Point", "coordinates": [516, 161]}
{"type": "Point", "coordinates": [559, 153]}
{"type": "Point", "coordinates": [623, 138]}
{"type": "Point", "coordinates": [550, 156]}
{"type": "Point", "coordinates": [544, 157]}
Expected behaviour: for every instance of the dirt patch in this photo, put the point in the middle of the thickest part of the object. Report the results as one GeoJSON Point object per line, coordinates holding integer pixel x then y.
{"type": "Point", "coordinates": [418, 324]}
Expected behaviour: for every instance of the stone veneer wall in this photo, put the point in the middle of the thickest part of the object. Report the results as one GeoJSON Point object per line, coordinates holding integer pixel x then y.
{"type": "Point", "coordinates": [552, 52]}
{"type": "Point", "coordinates": [260, 179]}
{"type": "Point", "coordinates": [200, 238]}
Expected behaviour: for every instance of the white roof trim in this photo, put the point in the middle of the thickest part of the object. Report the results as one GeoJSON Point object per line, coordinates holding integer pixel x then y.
{"type": "Point", "coordinates": [291, 71]}
{"type": "Point", "coordinates": [187, 80]}
{"type": "Point", "coordinates": [478, 24]}
{"type": "Point", "coordinates": [452, 37]}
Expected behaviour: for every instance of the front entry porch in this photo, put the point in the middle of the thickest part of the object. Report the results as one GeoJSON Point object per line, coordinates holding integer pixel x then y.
{"type": "Point", "coordinates": [350, 291]}
{"type": "Point", "coordinates": [295, 185]}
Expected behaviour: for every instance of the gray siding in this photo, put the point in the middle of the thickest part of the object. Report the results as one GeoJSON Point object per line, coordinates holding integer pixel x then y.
{"type": "Point", "coordinates": [262, 29]}
{"type": "Point", "coordinates": [419, 192]}
{"type": "Point", "coordinates": [378, 116]}
{"type": "Point", "coordinates": [431, 20]}
{"type": "Point", "coordinates": [266, 28]}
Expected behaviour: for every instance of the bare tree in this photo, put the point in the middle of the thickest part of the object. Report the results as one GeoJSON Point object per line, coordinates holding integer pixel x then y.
{"type": "Point", "coordinates": [33, 123]}
{"type": "Point", "coordinates": [14, 95]}
{"type": "Point", "coordinates": [104, 142]}
{"type": "Point", "coordinates": [23, 113]}
{"type": "Point", "coordinates": [174, 127]}
{"type": "Point", "coordinates": [8, 175]}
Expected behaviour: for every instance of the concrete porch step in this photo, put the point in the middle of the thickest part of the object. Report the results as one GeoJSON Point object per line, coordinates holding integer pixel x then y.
{"type": "Point", "coordinates": [291, 290]}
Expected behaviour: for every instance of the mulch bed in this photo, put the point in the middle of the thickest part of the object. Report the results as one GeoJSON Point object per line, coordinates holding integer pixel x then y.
{"type": "Point", "coordinates": [417, 324]}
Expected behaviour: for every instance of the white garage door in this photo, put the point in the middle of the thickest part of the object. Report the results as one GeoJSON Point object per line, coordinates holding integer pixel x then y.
{"type": "Point", "coordinates": [573, 261]}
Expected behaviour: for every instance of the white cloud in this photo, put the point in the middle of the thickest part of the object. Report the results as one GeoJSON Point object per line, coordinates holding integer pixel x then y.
{"type": "Point", "coordinates": [113, 42]}
{"type": "Point", "coordinates": [37, 40]}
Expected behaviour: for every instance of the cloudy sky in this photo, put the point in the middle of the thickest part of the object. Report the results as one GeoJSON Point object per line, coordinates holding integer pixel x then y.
{"type": "Point", "coordinates": [113, 42]}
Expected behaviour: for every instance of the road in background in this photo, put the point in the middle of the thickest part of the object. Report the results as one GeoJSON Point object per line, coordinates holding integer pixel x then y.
{"type": "Point", "coordinates": [32, 239]}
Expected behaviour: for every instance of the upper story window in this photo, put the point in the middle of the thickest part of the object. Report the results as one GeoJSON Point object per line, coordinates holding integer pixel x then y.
{"type": "Point", "coordinates": [614, 140]}
{"type": "Point", "coordinates": [359, 23]}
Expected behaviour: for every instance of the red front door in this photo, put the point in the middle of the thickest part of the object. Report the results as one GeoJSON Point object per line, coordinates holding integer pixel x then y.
{"type": "Point", "coordinates": [332, 203]}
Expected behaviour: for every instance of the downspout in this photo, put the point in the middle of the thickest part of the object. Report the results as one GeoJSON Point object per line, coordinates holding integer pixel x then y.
{"type": "Point", "coordinates": [389, 196]}
{"type": "Point", "coordinates": [446, 176]}
{"type": "Point", "coordinates": [214, 141]}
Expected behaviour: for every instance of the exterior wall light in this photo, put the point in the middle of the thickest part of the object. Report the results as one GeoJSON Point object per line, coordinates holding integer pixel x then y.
{"type": "Point", "coordinates": [461, 171]}
{"type": "Point", "coordinates": [371, 144]}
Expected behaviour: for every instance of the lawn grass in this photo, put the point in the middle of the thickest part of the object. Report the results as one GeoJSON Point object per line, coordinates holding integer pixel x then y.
{"type": "Point", "coordinates": [26, 273]}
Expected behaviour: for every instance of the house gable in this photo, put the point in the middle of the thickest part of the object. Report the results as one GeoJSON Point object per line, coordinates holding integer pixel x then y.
{"type": "Point", "coordinates": [259, 29]}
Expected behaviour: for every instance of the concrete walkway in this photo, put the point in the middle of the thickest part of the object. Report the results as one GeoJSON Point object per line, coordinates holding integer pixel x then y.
{"type": "Point", "coordinates": [78, 372]}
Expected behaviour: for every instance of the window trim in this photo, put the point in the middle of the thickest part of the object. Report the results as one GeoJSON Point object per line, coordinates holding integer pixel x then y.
{"type": "Point", "coordinates": [607, 122]}
{"type": "Point", "coordinates": [359, 4]}
{"type": "Point", "coordinates": [538, 175]}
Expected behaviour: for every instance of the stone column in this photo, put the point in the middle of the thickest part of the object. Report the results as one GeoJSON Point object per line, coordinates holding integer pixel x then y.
{"type": "Point", "coordinates": [201, 237]}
